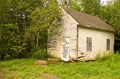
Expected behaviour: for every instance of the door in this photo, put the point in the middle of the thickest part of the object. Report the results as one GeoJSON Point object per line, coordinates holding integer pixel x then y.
{"type": "Point", "coordinates": [65, 50]}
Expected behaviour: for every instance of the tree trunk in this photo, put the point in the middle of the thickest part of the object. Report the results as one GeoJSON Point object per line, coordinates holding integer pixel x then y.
{"type": "Point", "coordinates": [37, 40]}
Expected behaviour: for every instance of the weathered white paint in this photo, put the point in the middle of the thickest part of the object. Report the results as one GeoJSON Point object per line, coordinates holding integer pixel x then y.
{"type": "Point", "coordinates": [68, 29]}
{"type": "Point", "coordinates": [99, 39]}
{"type": "Point", "coordinates": [70, 26]}
{"type": "Point", "coordinates": [77, 46]}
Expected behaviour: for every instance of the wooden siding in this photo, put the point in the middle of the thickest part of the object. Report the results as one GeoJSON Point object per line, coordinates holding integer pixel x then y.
{"type": "Point", "coordinates": [68, 29]}
{"type": "Point", "coordinates": [98, 42]}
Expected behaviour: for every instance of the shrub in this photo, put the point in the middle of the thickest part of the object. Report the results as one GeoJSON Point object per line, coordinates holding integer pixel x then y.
{"type": "Point", "coordinates": [1, 56]}
{"type": "Point", "coordinates": [40, 54]}
{"type": "Point", "coordinates": [8, 57]}
{"type": "Point", "coordinates": [105, 56]}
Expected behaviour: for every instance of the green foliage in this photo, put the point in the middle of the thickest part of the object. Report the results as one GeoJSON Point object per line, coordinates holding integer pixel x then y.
{"type": "Point", "coordinates": [24, 25]}
{"type": "Point", "coordinates": [19, 51]}
{"type": "Point", "coordinates": [75, 6]}
{"type": "Point", "coordinates": [25, 69]}
{"type": "Point", "coordinates": [8, 57]}
{"type": "Point", "coordinates": [91, 6]}
{"type": "Point", "coordinates": [87, 70]}
{"type": "Point", "coordinates": [41, 19]}
{"type": "Point", "coordinates": [104, 56]}
{"type": "Point", "coordinates": [40, 54]}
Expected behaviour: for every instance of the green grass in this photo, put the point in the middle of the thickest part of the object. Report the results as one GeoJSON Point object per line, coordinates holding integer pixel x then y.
{"type": "Point", "coordinates": [109, 68]}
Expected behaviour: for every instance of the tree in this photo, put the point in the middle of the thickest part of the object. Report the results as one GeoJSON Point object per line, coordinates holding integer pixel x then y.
{"type": "Point", "coordinates": [111, 14]}
{"type": "Point", "coordinates": [24, 25]}
{"type": "Point", "coordinates": [8, 33]}
{"type": "Point", "coordinates": [91, 7]}
{"type": "Point", "coordinates": [75, 5]}
{"type": "Point", "coordinates": [41, 19]}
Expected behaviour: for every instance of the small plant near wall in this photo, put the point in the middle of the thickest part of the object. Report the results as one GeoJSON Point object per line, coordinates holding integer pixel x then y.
{"type": "Point", "coordinates": [105, 56]}
{"type": "Point", "coordinates": [40, 54]}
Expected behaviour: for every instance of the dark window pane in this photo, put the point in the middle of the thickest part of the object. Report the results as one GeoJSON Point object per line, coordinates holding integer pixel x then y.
{"type": "Point", "coordinates": [89, 44]}
{"type": "Point", "coordinates": [108, 44]}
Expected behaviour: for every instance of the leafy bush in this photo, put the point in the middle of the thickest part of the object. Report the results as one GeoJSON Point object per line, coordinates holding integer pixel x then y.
{"type": "Point", "coordinates": [104, 56]}
{"type": "Point", "coordinates": [40, 54]}
{"type": "Point", "coordinates": [8, 57]}
{"type": "Point", "coordinates": [18, 51]}
{"type": "Point", "coordinates": [1, 56]}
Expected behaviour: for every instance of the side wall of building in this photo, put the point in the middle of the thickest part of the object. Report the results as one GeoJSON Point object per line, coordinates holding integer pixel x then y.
{"type": "Point", "coordinates": [99, 41]}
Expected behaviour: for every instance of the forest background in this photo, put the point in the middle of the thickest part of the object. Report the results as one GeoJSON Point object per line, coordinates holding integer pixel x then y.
{"type": "Point", "coordinates": [24, 24]}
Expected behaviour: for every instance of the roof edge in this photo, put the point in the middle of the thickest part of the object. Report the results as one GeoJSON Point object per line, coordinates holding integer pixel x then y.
{"type": "Point", "coordinates": [90, 27]}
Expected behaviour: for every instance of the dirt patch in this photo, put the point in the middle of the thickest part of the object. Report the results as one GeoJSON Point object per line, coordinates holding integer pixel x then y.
{"type": "Point", "coordinates": [48, 76]}
{"type": "Point", "coordinates": [41, 63]}
{"type": "Point", "coordinates": [2, 76]}
{"type": "Point", "coordinates": [2, 73]}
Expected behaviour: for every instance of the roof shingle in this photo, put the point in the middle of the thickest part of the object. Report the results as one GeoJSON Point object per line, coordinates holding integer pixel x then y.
{"type": "Point", "coordinates": [89, 21]}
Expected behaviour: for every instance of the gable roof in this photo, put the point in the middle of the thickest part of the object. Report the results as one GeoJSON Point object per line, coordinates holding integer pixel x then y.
{"type": "Point", "coordinates": [89, 21]}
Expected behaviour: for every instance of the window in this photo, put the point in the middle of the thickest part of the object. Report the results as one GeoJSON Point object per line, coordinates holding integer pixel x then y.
{"type": "Point", "coordinates": [89, 44]}
{"type": "Point", "coordinates": [108, 44]}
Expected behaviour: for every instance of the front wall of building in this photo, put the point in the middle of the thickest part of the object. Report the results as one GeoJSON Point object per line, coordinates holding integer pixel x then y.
{"type": "Point", "coordinates": [98, 42]}
{"type": "Point", "coordinates": [68, 32]}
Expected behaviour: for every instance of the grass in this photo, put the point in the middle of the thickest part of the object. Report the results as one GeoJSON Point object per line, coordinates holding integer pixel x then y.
{"type": "Point", "coordinates": [109, 68]}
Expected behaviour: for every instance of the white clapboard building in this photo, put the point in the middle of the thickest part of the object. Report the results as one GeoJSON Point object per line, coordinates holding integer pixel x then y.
{"type": "Point", "coordinates": [80, 36]}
